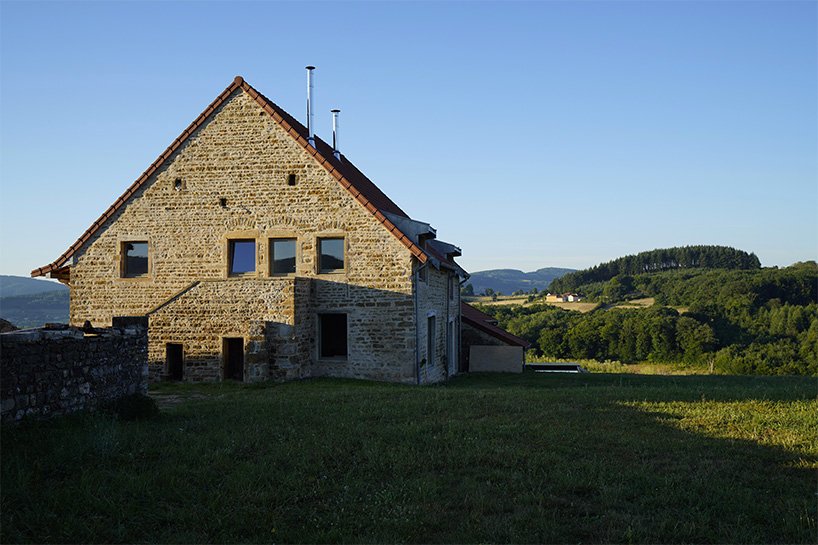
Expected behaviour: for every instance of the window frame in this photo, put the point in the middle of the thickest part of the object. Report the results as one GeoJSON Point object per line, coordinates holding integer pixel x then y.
{"type": "Point", "coordinates": [271, 255]}
{"type": "Point", "coordinates": [318, 242]}
{"type": "Point", "coordinates": [230, 254]}
{"type": "Point", "coordinates": [123, 259]}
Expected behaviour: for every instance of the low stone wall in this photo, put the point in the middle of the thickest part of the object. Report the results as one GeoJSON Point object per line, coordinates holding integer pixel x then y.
{"type": "Point", "coordinates": [50, 372]}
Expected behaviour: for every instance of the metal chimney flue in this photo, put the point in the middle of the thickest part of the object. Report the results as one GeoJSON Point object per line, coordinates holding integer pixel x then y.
{"type": "Point", "coordinates": [335, 126]}
{"type": "Point", "coordinates": [310, 110]}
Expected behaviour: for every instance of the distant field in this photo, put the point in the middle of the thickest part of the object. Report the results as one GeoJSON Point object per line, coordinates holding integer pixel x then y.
{"type": "Point", "coordinates": [638, 303]}
{"type": "Point", "coordinates": [579, 307]}
{"type": "Point", "coordinates": [616, 367]}
{"type": "Point", "coordinates": [501, 300]}
{"type": "Point", "coordinates": [523, 300]}
{"type": "Point", "coordinates": [594, 458]}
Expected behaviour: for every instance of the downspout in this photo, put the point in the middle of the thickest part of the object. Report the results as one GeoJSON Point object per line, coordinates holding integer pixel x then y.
{"type": "Point", "coordinates": [448, 340]}
{"type": "Point", "coordinates": [415, 282]}
{"type": "Point", "coordinates": [460, 356]}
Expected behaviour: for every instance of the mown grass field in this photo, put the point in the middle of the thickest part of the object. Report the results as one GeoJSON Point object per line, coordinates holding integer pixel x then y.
{"type": "Point", "coordinates": [523, 301]}
{"type": "Point", "coordinates": [505, 458]}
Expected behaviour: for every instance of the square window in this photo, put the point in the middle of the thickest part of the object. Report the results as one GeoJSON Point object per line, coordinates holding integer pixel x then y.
{"type": "Point", "coordinates": [135, 259]}
{"type": "Point", "coordinates": [242, 256]}
{"type": "Point", "coordinates": [282, 255]}
{"type": "Point", "coordinates": [331, 255]}
{"type": "Point", "coordinates": [332, 336]}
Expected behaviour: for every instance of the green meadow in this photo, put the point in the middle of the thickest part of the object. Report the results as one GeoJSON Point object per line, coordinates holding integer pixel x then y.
{"type": "Point", "coordinates": [531, 458]}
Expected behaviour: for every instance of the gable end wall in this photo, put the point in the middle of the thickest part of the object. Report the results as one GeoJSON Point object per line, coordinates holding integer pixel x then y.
{"type": "Point", "coordinates": [242, 155]}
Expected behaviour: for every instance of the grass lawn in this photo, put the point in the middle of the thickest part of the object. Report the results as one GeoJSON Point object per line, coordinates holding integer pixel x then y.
{"type": "Point", "coordinates": [503, 458]}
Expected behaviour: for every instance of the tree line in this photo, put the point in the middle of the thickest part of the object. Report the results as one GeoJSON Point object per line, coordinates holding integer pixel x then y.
{"type": "Point", "coordinates": [686, 257]}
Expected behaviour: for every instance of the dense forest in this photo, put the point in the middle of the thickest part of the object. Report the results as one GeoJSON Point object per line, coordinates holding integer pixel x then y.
{"type": "Point", "coordinates": [686, 257]}
{"type": "Point", "coordinates": [762, 321]}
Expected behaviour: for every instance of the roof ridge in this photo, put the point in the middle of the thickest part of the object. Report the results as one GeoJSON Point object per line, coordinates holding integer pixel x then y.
{"type": "Point", "coordinates": [291, 125]}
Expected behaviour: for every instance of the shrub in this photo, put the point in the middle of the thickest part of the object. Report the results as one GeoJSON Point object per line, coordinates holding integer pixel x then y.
{"type": "Point", "coordinates": [134, 407]}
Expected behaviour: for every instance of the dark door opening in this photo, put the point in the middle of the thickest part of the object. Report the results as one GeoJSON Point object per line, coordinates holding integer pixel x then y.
{"type": "Point", "coordinates": [175, 359]}
{"type": "Point", "coordinates": [332, 333]}
{"type": "Point", "coordinates": [233, 358]}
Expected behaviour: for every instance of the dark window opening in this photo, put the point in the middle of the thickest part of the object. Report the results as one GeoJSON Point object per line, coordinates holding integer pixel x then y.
{"type": "Point", "coordinates": [291, 179]}
{"type": "Point", "coordinates": [282, 255]}
{"type": "Point", "coordinates": [332, 336]}
{"type": "Point", "coordinates": [331, 254]}
{"type": "Point", "coordinates": [233, 358]}
{"type": "Point", "coordinates": [177, 184]}
{"type": "Point", "coordinates": [223, 202]}
{"type": "Point", "coordinates": [135, 262]}
{"type": "Point", "coordinates": [242, 256]}
{"type": "Point", "coordinates": [175, 359]}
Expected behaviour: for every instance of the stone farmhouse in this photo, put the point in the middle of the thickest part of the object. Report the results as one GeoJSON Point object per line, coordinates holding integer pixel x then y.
{"type": "Point", "coordinates": [258, 251]}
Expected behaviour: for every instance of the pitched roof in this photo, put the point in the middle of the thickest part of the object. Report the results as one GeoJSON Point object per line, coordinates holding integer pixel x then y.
{"type": "Point", "coordinates": [487, 324]}
{"type": "Point", "coordinates": [352, 179]}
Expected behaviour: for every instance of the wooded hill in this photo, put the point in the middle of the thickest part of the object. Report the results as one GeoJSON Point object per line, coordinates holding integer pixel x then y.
{"type": "Point", "coordinates": [737, 321]}
{"type": "Point", "coordinates": [686, 257]}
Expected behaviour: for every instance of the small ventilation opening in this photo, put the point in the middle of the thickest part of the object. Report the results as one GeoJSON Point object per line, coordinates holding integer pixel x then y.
{"type": "Point", "coordinates": [177, 184]}
{"type": "Point", "coordinates": [291, 179]}
{"type": "Point", "coordinates": [223, 202]}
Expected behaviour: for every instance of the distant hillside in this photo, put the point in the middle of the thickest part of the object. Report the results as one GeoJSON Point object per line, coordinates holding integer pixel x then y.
{"type": "Point", "coordinates": [35, 309]}
{"type": "Point", "coordinates": [12, 286]}
{"type": "Point", "coordinates": [29, 302]}
{"type": "Point", "coordinates": [508, 281]}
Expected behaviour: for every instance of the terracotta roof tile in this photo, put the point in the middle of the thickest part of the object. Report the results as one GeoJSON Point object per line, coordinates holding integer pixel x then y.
{"type": "Point", "coordinates": [359, 186]}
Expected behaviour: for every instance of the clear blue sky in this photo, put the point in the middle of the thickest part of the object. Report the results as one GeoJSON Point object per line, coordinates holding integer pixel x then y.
{"type": "Point", "coordinates": [531, 134]}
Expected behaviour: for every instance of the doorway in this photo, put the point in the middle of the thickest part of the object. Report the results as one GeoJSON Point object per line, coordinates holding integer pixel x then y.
{"type": "Point", "coordinates": [233, 358]}
{"type": "Point", "coordinates": [175, 360]}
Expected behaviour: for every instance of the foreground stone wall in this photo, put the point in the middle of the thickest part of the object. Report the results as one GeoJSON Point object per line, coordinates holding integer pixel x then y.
{"type": "Point", "coordinates": [56, 372]}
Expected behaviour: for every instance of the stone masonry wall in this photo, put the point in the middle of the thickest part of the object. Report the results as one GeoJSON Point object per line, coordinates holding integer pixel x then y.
{"type": "Point", "coordinates": [243, 156]}
{"type": "Point", "coordinates": [260, 311]}
{"type": "Point", "coordinates": [56, 372]}
{"type": "Point", "coordinates": [433, 300]}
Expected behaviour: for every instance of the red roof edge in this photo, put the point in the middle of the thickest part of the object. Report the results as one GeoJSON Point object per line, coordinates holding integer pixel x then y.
{"type": "Point", "coordinates": [276, 113]}
{"type": "Point", "coordinates": [483, 322]}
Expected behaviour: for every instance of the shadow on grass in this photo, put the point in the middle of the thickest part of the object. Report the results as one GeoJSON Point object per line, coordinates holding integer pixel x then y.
{"type": "Point", "coordinates": [482, 459]}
